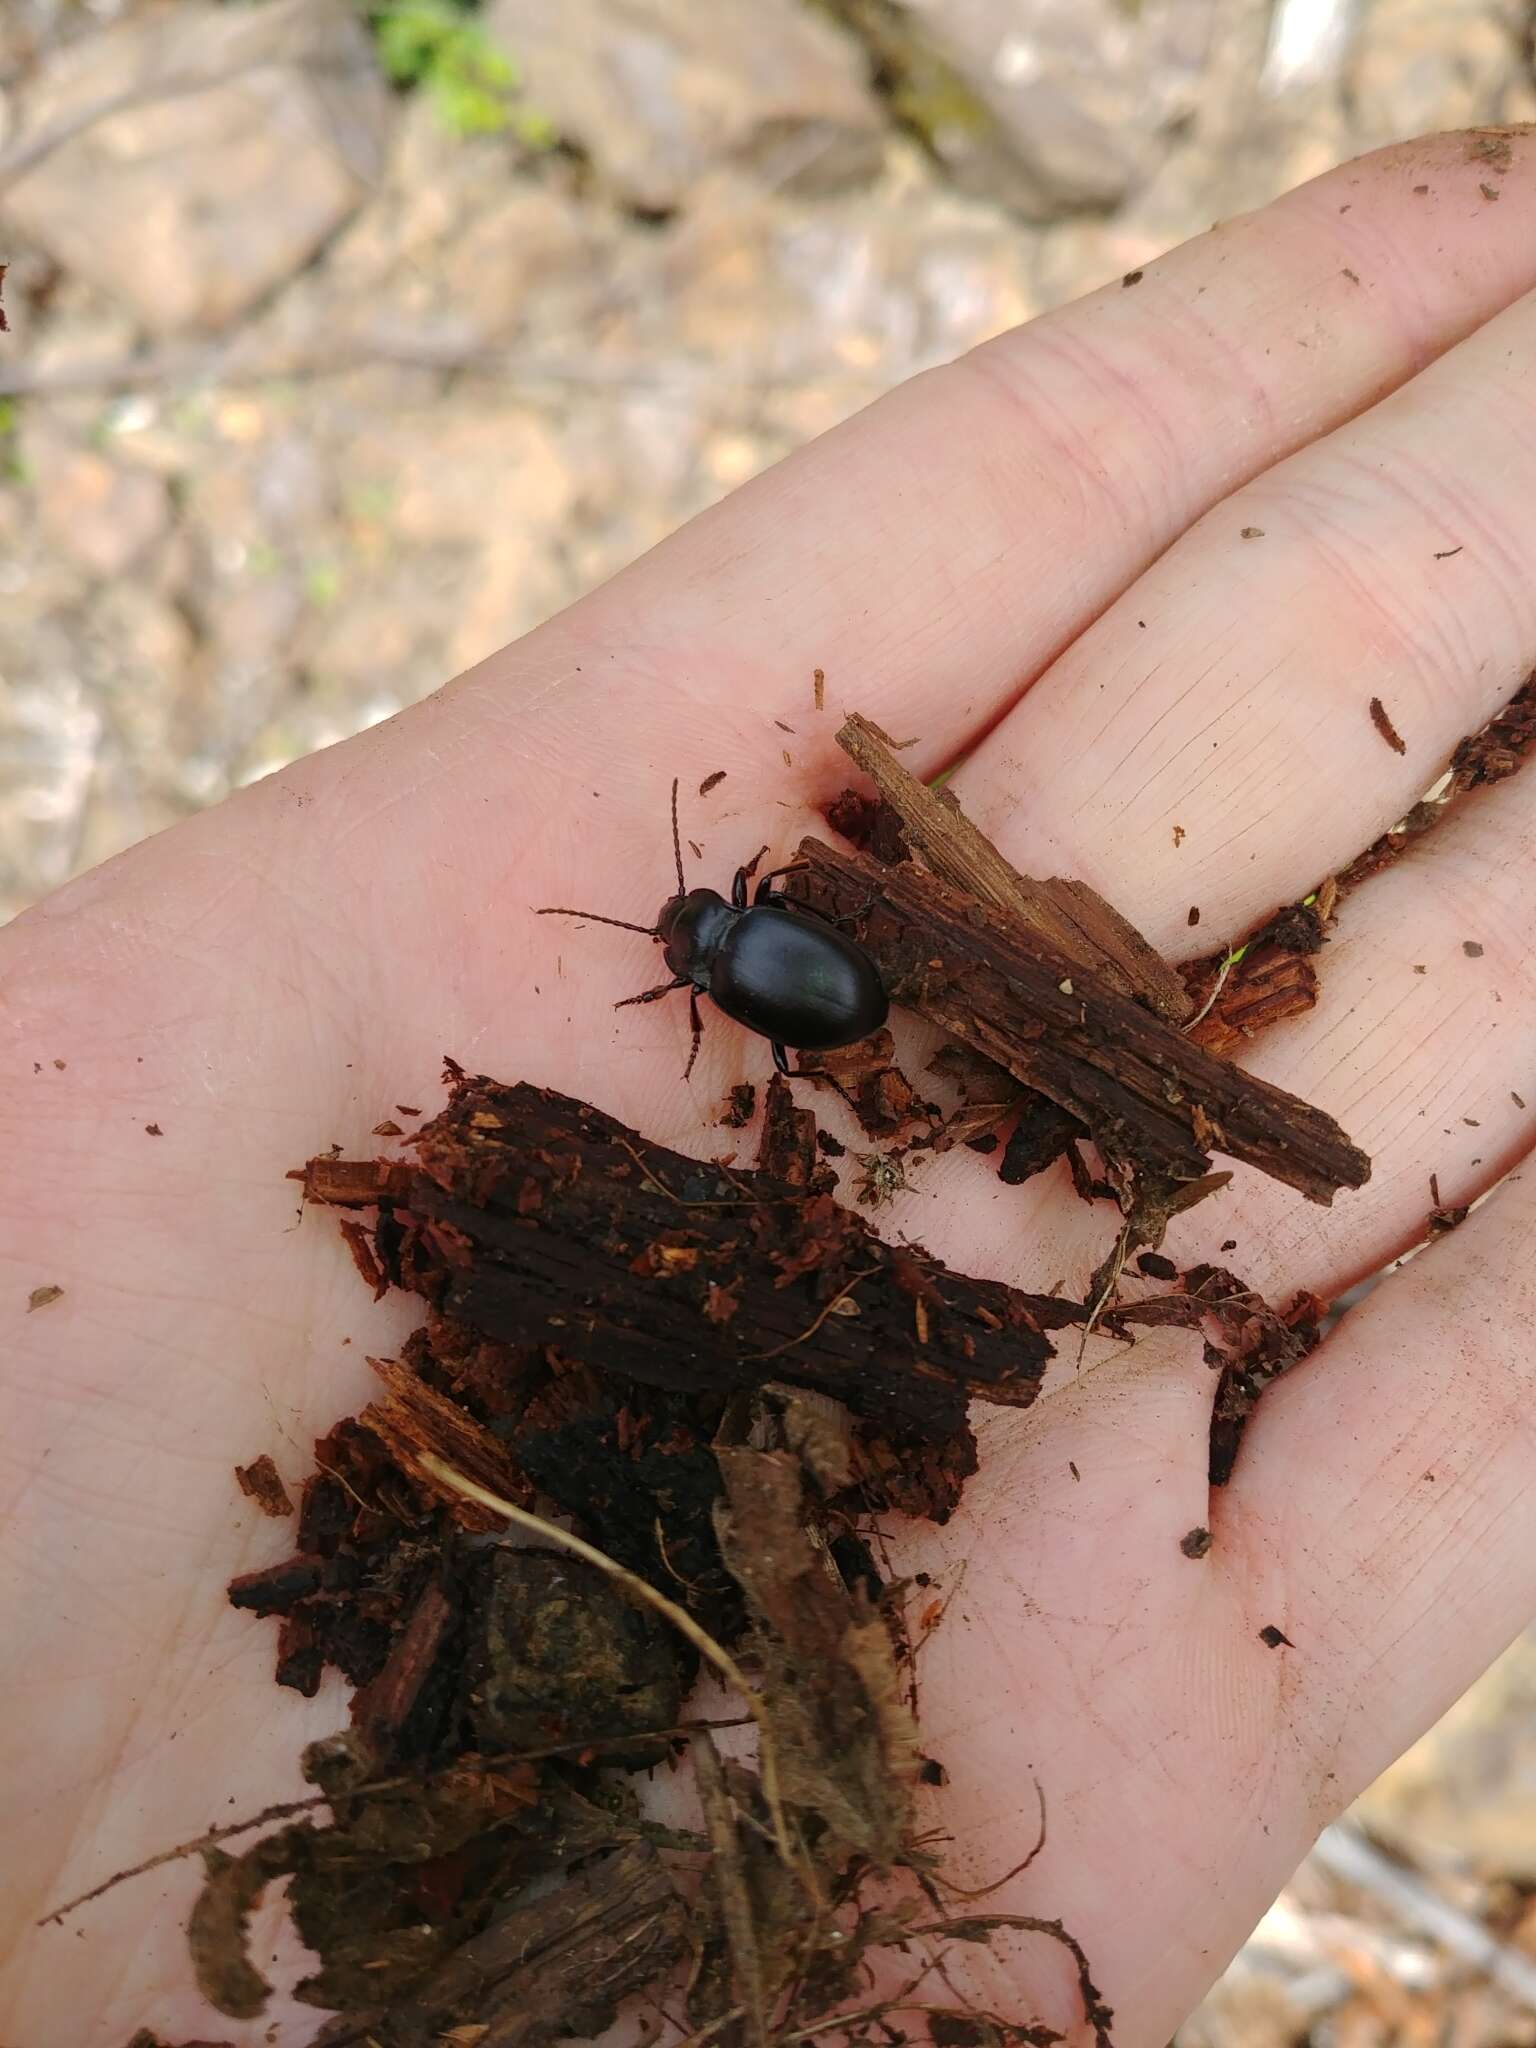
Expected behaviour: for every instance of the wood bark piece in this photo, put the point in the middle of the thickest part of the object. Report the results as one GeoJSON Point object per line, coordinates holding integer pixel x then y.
{"type": "Point", "coordinates": [413, 1418]}
{"type": "Point", "coordinates": [545, 1971]}
{"type": "Point", "coordinates": [549, 1227]}
{"type": "Point", "coordinates": [1073, 917]}
{"type": "Point", "coordinates": [382, 1707]}
{"type": "Point", "coordinates": [538, 1220]}
{"type": "Point", "coordinates": [1267, 986]}
{"type": "Point", "coordinates": [1143, 1090]}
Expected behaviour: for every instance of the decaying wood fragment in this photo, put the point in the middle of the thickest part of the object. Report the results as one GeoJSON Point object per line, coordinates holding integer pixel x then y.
{"type": "Point", "coordinates": [1071, 916]}
{"type": "Point", "coordinates": [546, 1971]}
{"type": "Point", "coordinates": [381, 1708]}
{"type": "Point", "coordinates": [352, 1183]}
{"type": "Point", "coordinates": [1265, 987]}
{"type": "Point", "coordinates": [868, 1079]}
{"type": "Point", "coordinates": [414, 1418]}
{"type": "Point", "coordinates": [1141, 1088]}
{"type": "Point", "coordinates": [261, 1482]}
{"type": "Point", "coordinates": [538, 1220]}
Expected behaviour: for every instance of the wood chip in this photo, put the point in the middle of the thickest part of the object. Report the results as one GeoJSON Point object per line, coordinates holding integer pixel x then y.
{"type": "Point", "coordinates": [260, 1482]}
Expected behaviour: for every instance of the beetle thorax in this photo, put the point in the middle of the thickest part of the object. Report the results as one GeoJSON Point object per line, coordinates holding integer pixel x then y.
{"type": "Point", "coordinates": [692, 930]}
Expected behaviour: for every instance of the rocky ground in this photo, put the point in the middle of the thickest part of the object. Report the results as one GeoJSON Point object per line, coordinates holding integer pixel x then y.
{"type": "Point", "coordinates": [322, 384]}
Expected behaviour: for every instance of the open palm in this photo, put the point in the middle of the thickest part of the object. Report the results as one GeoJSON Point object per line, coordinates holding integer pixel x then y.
{"type": "Point", "coordinates": [1144, 564]}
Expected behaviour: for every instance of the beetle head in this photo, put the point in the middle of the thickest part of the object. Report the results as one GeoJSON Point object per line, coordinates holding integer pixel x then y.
{"type": "Point", "coordinates": [691, 928]}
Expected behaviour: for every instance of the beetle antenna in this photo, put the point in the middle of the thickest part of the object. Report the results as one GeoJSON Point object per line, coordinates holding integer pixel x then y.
{"type": "Point", "coordinates": [596, 917]}
{"type": "Point", "coordinates": [677, 844]}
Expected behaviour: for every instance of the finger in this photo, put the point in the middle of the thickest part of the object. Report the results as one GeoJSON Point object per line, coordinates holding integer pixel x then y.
{"type": "Point", "coordinates": [1392, 1474]}
{"type": "Point", "coordinates": [1210, 743]}
{"type": "Point", "coordinates": [934, 553]}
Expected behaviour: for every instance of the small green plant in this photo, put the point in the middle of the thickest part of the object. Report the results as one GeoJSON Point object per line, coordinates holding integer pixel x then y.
{"type": "Point", "coordinates": [438, 47]}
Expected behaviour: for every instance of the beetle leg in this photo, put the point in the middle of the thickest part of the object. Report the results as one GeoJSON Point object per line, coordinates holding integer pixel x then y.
{"type": "Point", "coordinates": [781, 1059]}
{"type": "Point", "coordinates": [698, 1032]}
{"type": "Point", "coordinates": [653, 995]}
{"type": "Point", "coordinates": [739, 890]}
{"type": "Point", "coordinates": [838, 918]}
{"type": "Point", "coordinates": [764, 895]}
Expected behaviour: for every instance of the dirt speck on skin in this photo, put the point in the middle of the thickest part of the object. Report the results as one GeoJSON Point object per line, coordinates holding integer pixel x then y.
{"type": "Point", "coordinates": [711, 782]}
{"type": "Point", "coordinates": [154, 1131]}
{"type": "Point", "coordinates": [41, 1297]}
{"type": "Point", "coordinates": [1133, 277]}
{"type": "Point", "coordinates": [1275, 1638]}
{"type": "Point", "coordinates": [1491, 146]}
{"type": "Point", "coordinates": [388, 1129]}
{"type": "Point", "coordinates": [1352, 275]}
{"type": "Point", "coordinates": [1179, 835]}
{"type": "Point", "coordinates": [1472, 949]}
{"type": "Point", "coordinates": [1196, 1544]}
{"type": "Point", "coordinates": [1381, 719]}
{"type": "Point", "coordinates": [819, 686]}
{"type": "Point", "coordinates": [1489, 191]}
{"type": "Point", "coordinates": [1253, 533]}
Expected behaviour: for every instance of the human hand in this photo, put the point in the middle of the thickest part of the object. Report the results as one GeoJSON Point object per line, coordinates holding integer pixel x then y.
{"type": "Point", "coordinates": [1036, 559]}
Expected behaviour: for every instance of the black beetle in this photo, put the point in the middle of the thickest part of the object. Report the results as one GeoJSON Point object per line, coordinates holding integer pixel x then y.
{"type": "Point", "coordinates": [779, 970]}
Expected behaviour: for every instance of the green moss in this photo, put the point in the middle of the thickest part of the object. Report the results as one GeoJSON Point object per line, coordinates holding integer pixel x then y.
{"type": "Point", "coordinates": [439, 48]}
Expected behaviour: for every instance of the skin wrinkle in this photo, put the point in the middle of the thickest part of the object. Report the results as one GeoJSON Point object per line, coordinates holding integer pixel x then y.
{"type": "Point", "coordinates": [1296, 1236]}
{"type": "Point", "coordinates": [1171, 339]}
{"type": "Point", "coordinates": [1485, 538]}
{"type": "Point", "coordinates": [1411, 649]}
{"type": "Point", "coordinates": [1252, 771]}
{"type": "Point", "coordinates": [1131, 499]}
{"type": "Point", "coordinates": [1395, 298]}
{"type": "Point", "coordinates": [1377, 1663]}
{"type": "Point", "coordinates": [1165, 716]}
{"type": "Point", "coordinates": [1190, 746]}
